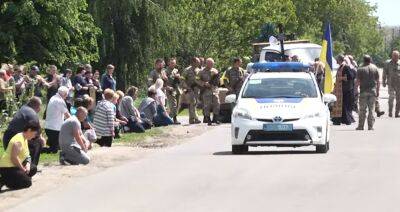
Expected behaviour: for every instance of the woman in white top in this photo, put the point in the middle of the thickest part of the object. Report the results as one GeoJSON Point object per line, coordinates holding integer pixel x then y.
{"type": "Point", "coordinates": [162, 118]}
{"type": "Point", "coordinates": [160, 95]}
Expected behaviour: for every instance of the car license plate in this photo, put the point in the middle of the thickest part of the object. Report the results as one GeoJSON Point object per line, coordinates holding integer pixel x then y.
{"type": "Point", "coordinates": [278, 127]}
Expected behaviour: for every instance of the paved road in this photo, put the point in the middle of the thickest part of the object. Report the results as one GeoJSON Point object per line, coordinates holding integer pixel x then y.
{"type": "Point", "coordinates": [360, 173]}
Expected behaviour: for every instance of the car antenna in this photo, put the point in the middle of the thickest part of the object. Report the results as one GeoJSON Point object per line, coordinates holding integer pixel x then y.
{"type": "Point", "coordinates": [281, 39]}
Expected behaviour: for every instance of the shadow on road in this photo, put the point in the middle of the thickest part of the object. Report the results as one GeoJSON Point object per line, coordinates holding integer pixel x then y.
{"type": "Point", "coordinates": [3, 191]}
{"type": "Point", "coordinates": [225, 153]}
{"type": "Point", "coordinates": [346, 130]}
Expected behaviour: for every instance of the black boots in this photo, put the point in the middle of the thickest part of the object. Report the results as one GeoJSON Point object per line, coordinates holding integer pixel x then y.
{"type": "Point", "coordinates": [194, 121]}
{"type": "Point", "coordinates": [380, 113]}
{"type": "Point", "coordinates": [207, 120]}
{"type": "Point", "coordinates": [215, 119]}
{"type": "Point", "coordinates": [176, 121]}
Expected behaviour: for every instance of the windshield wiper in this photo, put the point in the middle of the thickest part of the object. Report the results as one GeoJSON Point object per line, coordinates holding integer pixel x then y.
{"type": "Point", "coordinates": [272, 97]}
{"type": "Point", "coordinates": [252, 97]}
{"type": "Point", "coordinates": [286, 96]}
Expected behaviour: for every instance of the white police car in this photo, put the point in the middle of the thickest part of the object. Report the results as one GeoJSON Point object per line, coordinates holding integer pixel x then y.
{"type": "Point", "coordinates": [280, 105]}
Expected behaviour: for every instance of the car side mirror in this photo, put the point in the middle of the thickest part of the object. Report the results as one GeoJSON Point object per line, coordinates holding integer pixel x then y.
{"type": "Point", "coordinates": [329, 98]}
{"type": "Point", "coordinates": [231, 99]}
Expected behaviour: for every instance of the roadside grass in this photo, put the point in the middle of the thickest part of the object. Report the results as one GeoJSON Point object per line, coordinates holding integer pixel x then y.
{"type": "Point", "coordinates": [130, 138]}
{"type": "Point", "coordinates": [126, 139]}
{"type": "Point", "coordinates": [185, 112]}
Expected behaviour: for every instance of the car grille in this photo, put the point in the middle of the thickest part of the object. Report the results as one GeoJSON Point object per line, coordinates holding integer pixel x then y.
{"type": "Point", "coordinates": [295, 135]}
{"type": "Point", "coordinates": [270, 120]}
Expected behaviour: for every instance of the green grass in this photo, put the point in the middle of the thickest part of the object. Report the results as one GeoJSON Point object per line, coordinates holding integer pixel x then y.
{"type": "Point", "coordinates": [130, 138]}
{"type": "Point", "coordinates": [46, 159]}
{"type": "Point", "coordinates": [185, 112]}
{"type": "Point", "coordinates": [1, 148]}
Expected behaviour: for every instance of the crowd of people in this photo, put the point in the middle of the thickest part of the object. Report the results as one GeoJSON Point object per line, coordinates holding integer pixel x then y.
{"type": "Point", "coordinates": [84, 108]}
{"type": "Point", "coordinates": [357, 89]}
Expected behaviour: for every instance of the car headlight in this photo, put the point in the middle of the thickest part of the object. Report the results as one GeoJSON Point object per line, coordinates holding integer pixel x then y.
{"type": "Point", "coordinates": [241, 113]}
{"type": "Point", "coordinates": [312, 115]}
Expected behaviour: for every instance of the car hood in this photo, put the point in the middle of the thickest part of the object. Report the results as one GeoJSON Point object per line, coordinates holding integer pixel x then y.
{"type": "Point", "coordinates": [286, 108]}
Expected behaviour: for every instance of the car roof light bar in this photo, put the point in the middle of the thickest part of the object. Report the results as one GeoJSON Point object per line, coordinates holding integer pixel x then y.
{"type": "Point", "coordinates": [280, 67]}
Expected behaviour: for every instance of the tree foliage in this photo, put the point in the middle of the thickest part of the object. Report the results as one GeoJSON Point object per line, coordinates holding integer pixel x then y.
{"type": "Point", "coordinates": [355, 30]}
{"type": "Point", "coordinates": [131, 33]}
{"type": "Point", "coordinates": [47, 31]}
{"type": "Point", "coordinates": [223, 29]}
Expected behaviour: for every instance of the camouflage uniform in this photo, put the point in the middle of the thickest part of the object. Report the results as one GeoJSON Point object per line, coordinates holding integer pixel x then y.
{"type": "Point", "coordinates": [234, 80]}
{"type": "Point", "coordinates": [174, 91]}
{"type": "Point", "coordinates": [154, 75]}
{"type": "Point", "coordinates": [391, 71]}
{"type": "Point", "coordinates": [189, 85]}
{"type": "Point", "coordinates": [209, 93]}
{"type": "Point", "coordinates": [368, 76]}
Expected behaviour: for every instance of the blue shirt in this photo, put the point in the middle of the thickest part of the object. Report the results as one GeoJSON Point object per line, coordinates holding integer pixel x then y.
{"type": "Point", "coordinates": [108, 82]}
{"type": "Point", "coordinates": [79, 82]}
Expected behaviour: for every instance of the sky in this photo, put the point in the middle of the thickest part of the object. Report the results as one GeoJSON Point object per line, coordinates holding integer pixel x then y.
{"type": "Point", "coordinates": [388, 11]}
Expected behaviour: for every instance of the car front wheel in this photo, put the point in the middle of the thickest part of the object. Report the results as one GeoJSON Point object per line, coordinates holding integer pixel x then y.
{"type": "Point", "coordinates": [322, 149]}
{"type": "Point", "coordinates": [239, 149]}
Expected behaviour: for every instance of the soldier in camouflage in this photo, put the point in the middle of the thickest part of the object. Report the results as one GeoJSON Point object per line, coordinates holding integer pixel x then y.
{"type": "Point", "coordinates": [199, 101]}
{"type": "Point", "coordinates": [391, 78]}
{"type": "Point", "coordinates": [173, 89]}
{"type": "Point", "coordinates": [235, 77]}
{"type": "Point", "coordinates": [189, 85]}
{"type": "Point", "coordinates": [157, 73]}
{"type": "Point", "coordinates": [368, 80]}
{"type": "Point", "coordinates": [208, 81]}
{"type": "Point", "coordinates": [34, 84]}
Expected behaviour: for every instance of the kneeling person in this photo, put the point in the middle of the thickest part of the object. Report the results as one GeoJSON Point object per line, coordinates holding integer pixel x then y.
{"type": "Point", "coordinates": [73, 143]}
{"type": "Point", "coordinates": [16, 169]}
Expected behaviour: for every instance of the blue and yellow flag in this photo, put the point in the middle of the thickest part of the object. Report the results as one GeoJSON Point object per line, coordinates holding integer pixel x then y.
{"type": "Point", "coordinates": [326, 57]}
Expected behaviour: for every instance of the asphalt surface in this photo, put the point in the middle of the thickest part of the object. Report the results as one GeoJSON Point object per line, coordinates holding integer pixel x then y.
{"type": "Point", "coordinates": [360, 173]}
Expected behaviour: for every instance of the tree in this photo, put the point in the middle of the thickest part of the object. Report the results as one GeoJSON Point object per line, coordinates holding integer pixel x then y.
{"type": "Point", "coordinates": [224, 29]}
{"type": "Point", "coordinates": [47, 31]}
{"type": "Point", "coordinates": [131, 30]}
{"type": "Point", "coordinates": [354, 29]}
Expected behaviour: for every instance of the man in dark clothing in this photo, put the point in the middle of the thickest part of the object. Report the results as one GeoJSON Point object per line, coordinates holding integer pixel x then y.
{"type": "Point", "coordinates": [27, 114]}
{"type": "Point", "coordinates": [79, 82]}
{"type": "Point", "coordinates": [107, 80]}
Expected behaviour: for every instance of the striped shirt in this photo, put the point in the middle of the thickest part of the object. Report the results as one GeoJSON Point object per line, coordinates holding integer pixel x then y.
{"type": "Point", "coordinates": [103, 119]}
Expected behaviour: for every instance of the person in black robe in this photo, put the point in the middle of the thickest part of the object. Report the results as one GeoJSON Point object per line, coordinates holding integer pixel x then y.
{"type": "Point", "coordinates": [346, 80]}
{"type": "Point", "coordinates": [348, 89]}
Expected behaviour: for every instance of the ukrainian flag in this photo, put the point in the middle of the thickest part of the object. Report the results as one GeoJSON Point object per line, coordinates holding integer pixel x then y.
{"type": "Point", "coordinates": [326, 57]}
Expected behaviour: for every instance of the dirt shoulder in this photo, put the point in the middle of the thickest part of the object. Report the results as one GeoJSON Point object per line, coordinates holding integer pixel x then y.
{"type": "Point", "coordinates": [53, 175]}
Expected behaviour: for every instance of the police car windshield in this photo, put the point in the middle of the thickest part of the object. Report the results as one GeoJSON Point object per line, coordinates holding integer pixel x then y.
{"type": "Point", "coordinates": [280, 88]}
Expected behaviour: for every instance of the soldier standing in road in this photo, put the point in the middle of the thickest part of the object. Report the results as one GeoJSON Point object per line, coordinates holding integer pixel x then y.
{"type": "Point", "coordinates": [199, 101]}
{"type": "Point", "coordinates": [189, 86]}
{"type": "Point", "coordinates": [368, 80]}
{"type": "Point", "coordinates": [208, 81]}
{"type": "Point", "coordinates": [173, 89]}
{"type": "Point", "coordinates": [235, 77]}
{"type": "Point", "coordinates": [157, 73]}
{"type": "Point", "coordinates": [391, 78]}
